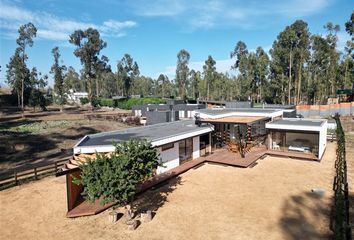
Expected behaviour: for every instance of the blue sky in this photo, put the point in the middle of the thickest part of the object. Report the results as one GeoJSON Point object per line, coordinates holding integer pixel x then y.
{"type": "Point", "coordinates": [152, 32]}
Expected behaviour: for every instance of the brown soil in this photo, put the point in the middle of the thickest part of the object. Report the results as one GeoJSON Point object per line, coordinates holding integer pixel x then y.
{"type": "Point", "coordinates": [22, 150]}
{"type": "Point", "coordinates": [273, 200]}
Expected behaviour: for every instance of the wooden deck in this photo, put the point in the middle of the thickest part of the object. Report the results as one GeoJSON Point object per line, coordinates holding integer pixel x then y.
{"type": "Point", "coordinates": [290, 154]}
{"type": "Point", "coordinates": [221, 156]}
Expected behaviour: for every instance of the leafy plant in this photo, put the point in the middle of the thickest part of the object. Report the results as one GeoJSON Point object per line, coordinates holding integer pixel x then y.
{"type": "Point", "coordinates": [116, 178]}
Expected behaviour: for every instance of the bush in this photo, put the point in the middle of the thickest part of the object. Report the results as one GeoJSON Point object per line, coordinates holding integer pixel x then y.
{"type": "Point", "coordinates": [117, 178]}
{"type": "Point", "coordinates": [84, 101]}
{"type": "Point", "coordinates": [128, 103]}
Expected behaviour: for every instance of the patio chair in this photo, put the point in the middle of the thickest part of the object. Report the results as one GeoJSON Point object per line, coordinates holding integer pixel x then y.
{"type": "Point", "coordinates": [276, 146]}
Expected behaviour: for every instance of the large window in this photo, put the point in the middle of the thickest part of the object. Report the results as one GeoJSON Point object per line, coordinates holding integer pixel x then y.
{"type": "Point", "coordinates": [185, 150]}
{"type": "Point", "coordinates": [305, 142]}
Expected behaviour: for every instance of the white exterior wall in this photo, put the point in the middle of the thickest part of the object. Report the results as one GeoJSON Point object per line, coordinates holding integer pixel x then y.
{"type": "Point", "coordinates": [169, 158]}
{"type": "Point", "coordinates": [323, 140]}
{"type": "Point", "coordinates": [181, 114]}
{"type": "Point", "coordinates": [196, 147]}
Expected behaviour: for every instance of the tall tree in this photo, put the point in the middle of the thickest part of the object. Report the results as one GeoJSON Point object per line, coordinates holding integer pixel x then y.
{"type": "Point", "coordinates": [58, 71]}
{"type": "Point", "coordinates": [209, 70]}
{"type": "Point", "coordinates": [26, 34]}
{"type": "Point", "coordinates": [14, 74]}
{"type": "Point", "coordinates": [182, 71]}
{"type": "Point", "coordinates": [72, 80]}
{"type": "Point", "coordinates": [195, 80]}
{"type": "Point", "coordinates": [88, 46]}
{"type": "Point", "coordinates": [241, 65]}
{"type": "Point", "coordinates": [128, 69]}
{"type": "Point", "coordinates": [37, 84]}
{"type": "Point", "coordinates": [102, 67]}
{"type": "Point", "coordinates": [262, 71]}
{"type": "Point", "coordinates": [161, 82]}
{"type": "Point", "coordinates": [332, 40]}
{"type": "Point", "coordinates": [302, 54]}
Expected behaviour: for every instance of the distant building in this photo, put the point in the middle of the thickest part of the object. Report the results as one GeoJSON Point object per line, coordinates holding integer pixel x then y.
{"type": "Point", "coordinates": [74, 97]}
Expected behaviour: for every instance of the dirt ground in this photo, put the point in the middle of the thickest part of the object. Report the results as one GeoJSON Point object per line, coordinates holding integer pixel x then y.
{"type": "Point", "coordinates": [272, 200]}
{"type": "Point", "coordinates": [19, 150]}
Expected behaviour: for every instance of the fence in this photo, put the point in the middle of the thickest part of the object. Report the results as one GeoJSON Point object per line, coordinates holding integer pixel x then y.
{"type": "Point", "coordinates": [323, 111]}
{"type": "Point", "coordinates": [340, 223]}
{"type": "Point", "coordinates": [32, 174]}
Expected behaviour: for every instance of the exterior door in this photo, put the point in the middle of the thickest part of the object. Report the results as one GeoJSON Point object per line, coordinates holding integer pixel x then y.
{"type": "Point", "coordinates": [185, 150]}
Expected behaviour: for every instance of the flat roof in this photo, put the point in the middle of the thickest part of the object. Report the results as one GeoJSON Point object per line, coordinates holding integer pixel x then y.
{"type": "Point", "coordinates": [298, 122]}
{"type": "Point", "coordinates": [235, 119]}
{"type": "Point", "coordinates": [218, 111]}
{"type": "Point", "coordinates": [152, 133]}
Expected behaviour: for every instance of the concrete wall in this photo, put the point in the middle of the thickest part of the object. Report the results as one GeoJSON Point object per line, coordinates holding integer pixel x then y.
{"type": "Point", "coordinates": [196, 147]}
{"type": "Point", "coordinates": [237, 104]}
{"type": "Point", "coordinates": [324, 111]}
{"type": "Point", "coordinates": [169, 158]}
{"type": "Point", "coordinates": [323, 140]}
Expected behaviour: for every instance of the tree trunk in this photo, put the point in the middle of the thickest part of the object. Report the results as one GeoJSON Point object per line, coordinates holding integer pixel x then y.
{"type": "Point", "coordinates": [289, 83]}
{"type": "Point", "coordinates": [97, 89]}
{"type": "Point", "coordinates": [208, 88]}
{"type": "Point", "coordinates": [299, 81]}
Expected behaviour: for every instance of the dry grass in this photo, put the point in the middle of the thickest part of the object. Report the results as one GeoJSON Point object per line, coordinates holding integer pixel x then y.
{"type": "Point", "coordinates": [273, 200]}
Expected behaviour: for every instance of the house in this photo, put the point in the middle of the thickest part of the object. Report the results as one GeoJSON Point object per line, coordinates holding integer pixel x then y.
{"type": "Point", "coordinates": [296, 137]}
{"type": "Point", "coordinates": [74, 97]}
{"type": "Point", "coordinates": [176, 142]}
{"type": "Point", "coordinates": [231, 131]}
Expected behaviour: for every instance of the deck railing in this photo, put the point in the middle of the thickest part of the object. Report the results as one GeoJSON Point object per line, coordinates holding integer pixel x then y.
{"type": "Point", "coordinates": [340, 220]}
{"type": "Point", "coordinates": [34, 173]}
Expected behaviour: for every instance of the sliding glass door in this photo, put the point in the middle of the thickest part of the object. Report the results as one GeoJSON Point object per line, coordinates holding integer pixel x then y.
{"type": "Point", "coordinates": [185, 150]}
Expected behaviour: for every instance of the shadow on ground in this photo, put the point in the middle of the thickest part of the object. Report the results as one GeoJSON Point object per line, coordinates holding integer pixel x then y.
{"type": "Point", "coordinates": [156, 197]}
{"type": "Point", "coordinates": [20, 151]}
{"type": "Point", "coordinates": [303, 215]}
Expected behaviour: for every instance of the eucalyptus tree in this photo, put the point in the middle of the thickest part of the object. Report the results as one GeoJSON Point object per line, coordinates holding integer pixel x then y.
{"type": "Point", "coordinates": [241, 65]}
{"type": "Point", "coordinates": [302, 54]}
{"type": "Point", "coordinates": [182, 71]}
{"type": "Point", "coordinates": [196, 81]}
{"type": "Point", "coordinates": [102, 67]}
{"type": "Point", "coordinates": [332, 40]}
{"type": "Point", "coordinates": [348, 62]}
{"type": "Point", "coordinates": [25, 39]}
{"type": "Point", "coordinates": [72, 80]}
{"type": "Point", "coordinates": [128, 69]}
{"type": "Point", "coordinates": [37, 83]}
{"type": "Point", "coordinates": [262, 71]}
{"type": "Point", "coordinates": [88, 46]}
{"type": "Point", "coordinates": [161, 83]}
{"type": "Point", "coordinates": [209, 71]}
{"type": "Point", "coordinates": [14, 74]}
{"type": "Point", "coordinates": [58, 72]}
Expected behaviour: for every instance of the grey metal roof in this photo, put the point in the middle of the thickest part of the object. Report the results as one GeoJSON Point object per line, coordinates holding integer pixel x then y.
{"type": "Point", "coordinates": [299, 122]}
{"type": "Point", "coordinates": [152, 133]}
{"type": "Point", "coordinates": [216, 111]}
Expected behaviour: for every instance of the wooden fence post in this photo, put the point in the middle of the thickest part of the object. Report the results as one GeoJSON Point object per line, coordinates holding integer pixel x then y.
{"type": "Point", "coordinates": [15, 176]}
{"type": "Point", "coordinates": [35, 173]}
{"type": "Point", "coordinates": [56, 166]}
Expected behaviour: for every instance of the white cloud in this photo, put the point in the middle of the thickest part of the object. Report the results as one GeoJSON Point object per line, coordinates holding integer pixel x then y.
{"type": "Point", "coordinates": [213, 13]}
{"type": "Point", "coordinates": [52, 27]}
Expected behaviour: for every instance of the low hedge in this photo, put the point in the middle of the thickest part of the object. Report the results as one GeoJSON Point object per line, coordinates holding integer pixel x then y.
{"type": "Point", "coordinates": [126, 103]}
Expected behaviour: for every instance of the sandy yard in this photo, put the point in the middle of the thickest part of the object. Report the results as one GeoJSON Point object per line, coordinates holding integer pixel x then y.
{"type": "Point", "coordinates": [273, 200]}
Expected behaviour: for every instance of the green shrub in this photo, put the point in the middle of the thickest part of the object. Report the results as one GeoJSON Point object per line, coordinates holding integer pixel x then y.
{"type": "Point", "coordinates": [128, 103]}
{"type": "Point", "coordinates": [84, 101]}
{"type": "Point", "coordinates": [117, 178]}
